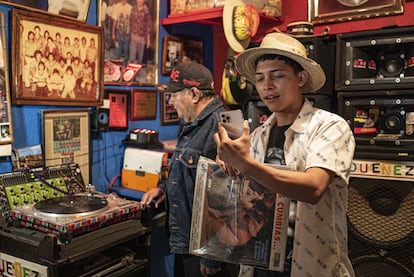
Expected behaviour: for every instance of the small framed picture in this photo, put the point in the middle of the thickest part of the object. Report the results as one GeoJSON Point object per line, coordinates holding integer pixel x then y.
{"type": "Point", "coordinates": [118, 109]}
{"type": "Point", "coordinates": [143, 104]}
{"type": "Point", "coordinates": [66, 138]}
{"type": "Point", "coordinates": [169, 115]}
{"type": "Point", "coordinates": [172, 53]}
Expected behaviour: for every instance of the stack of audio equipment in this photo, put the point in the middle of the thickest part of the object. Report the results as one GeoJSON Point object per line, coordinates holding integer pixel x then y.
{"type": "Point", "coordinates": [53, 225]}
{"type": "Point", "coordinates": [374, 80]}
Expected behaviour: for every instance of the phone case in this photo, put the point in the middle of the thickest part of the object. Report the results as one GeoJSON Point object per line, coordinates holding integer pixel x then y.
{"type": "Point", "coordinates": [233, 122]}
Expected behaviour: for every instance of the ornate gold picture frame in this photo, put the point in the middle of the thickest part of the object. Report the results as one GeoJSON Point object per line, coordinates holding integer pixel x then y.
{"type": "Point", "coordinates": [55, 62]}
{"type": "Point", "coordinates": [327, 11]}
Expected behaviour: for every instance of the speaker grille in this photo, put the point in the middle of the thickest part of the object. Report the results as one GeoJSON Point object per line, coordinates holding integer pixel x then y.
{"type": "Point", "coordinates": [372, 266]}
{"type": "Point", "coordinates": [381, 211]}
{"type": "Point", "coordinates": [381, 227]}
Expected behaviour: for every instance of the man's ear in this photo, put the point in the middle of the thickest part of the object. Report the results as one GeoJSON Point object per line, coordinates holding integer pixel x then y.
{"type": "Point", "coordinates": [195, 94]}
{"type": "Point", "coordinates": [303, 78]}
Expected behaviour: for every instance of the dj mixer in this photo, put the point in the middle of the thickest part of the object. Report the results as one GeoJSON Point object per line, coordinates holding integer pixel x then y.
{"type": "Point", "coordinates": [52, 224]}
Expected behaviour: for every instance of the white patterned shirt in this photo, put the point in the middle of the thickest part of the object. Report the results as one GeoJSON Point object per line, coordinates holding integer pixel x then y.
{"type": "Point", "coordinates": [317, 138]}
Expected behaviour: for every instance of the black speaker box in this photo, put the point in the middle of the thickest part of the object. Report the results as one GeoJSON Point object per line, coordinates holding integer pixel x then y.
{"type": "Point", "coordinates": [381, 226]}
{"type": "Point", "coordinates": [375, 60]}
{"type": "Point", "coordinates": [322, 50]}
{"type": "Point", "coordinates": [100, 120]}
{"type": "Point", "coordinates": [321, 101]}
{"type": "Point", "coordinates": [382, 122]}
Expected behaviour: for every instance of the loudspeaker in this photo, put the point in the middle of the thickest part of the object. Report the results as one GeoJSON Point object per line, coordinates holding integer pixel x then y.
{"type": "Point", "coordinates": [322, 50]}
{"type": "Point", "coordinates": [375, 60]}
{"type": "Point", "coordinates": [320, 100]}
{"type": "Point", "coordinates": [381, 218]}
{"type": "Point", "coordinates": [381, 121]}
{"type": "Point", "coordinates": [100, 119]}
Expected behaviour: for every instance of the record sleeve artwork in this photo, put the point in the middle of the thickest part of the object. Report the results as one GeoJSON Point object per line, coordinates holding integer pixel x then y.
{"type": "Point", "coordinates": [238, 221]}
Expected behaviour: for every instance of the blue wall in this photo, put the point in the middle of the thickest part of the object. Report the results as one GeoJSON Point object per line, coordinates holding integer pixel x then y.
{"type": "Point", "coordinates": [106, 147]}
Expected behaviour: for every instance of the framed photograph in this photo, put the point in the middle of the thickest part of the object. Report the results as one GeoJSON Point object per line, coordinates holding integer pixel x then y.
{"type": "Point", "coordinates": [74, 9]}
{"type": "Point", "coordinates": [29, 156]}
{"type": "Point", "coordinates": [172, 53]}
{"type": "Point", "coordinates": [131, 41]}
{"type": "Point", "coordinates": [118, 108]}
{"type": "Point", "coordinates": [66, 138]}
{"type": "Point", "coordinates": [55, 62]}
{"type": "Point", "coordinates": [169, 115]}
{"type": "Point", "coordinates": [6, 129]}
{"type": "Point", "coordinates": [143, 104]}
{"type": "Point", "coordinates": [326, 11]}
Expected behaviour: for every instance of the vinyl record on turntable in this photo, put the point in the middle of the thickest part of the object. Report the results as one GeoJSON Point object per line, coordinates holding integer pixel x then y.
{"type": "Point", "coordinates": [69, 205]}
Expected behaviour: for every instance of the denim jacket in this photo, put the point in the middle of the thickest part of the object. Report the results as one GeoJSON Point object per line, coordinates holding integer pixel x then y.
{"type": "Point", "coordinates": [195, 140]}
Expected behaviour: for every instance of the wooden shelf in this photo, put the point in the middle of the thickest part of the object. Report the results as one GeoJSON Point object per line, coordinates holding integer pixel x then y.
{"type": "Point", "coordinates": [212, 16]}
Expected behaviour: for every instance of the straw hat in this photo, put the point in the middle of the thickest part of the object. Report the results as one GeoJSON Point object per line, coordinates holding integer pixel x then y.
{"type": "Point", "coordinates": [240, 22]}
{"type": "Point", "coordinates": [283, 45]}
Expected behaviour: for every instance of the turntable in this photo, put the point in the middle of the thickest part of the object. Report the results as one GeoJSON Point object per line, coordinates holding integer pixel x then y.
{"type": "Point", "coordinates": [51, 222]}
{"type": "Point", "coordinates": [71, 215]}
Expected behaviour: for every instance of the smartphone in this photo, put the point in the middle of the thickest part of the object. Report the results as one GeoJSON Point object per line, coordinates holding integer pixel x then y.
{"type": "Point", "coordinates": [233, 122]}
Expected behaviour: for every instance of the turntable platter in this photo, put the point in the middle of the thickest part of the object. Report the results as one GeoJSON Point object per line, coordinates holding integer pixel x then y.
{"type": "Point", "coordinates": [71, 205]}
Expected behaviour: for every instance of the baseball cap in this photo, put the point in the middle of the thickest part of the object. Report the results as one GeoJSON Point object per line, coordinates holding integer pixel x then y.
{"type": "Point", "coordinates": [188, 75]}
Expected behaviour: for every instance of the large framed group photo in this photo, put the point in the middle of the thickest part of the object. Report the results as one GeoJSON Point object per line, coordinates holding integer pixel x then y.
{"type": "Point", "coordinates": [130, 41]}
{"type": "Point", "coordinates": [55, 62]}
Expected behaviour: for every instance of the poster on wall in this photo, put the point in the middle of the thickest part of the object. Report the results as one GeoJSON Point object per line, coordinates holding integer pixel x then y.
{"type": "Point", "coordinates": [66, 138]}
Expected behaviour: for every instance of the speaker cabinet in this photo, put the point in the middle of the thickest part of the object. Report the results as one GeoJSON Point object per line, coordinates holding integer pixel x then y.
{"type": "Point", "coordinates": [322, 50]}
{"type": "Point", "coordinates": [382, 122]}
{"type": "Point", "coordinates": [320, 100]}
{"type": "Point", "coordinates": [381, 219]}
{"type": "Point", "coordinates": [375, 60]}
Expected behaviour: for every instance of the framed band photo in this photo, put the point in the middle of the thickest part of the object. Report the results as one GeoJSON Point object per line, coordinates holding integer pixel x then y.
{"type": "Point", "coordinates": [327, 11]}
{"type": "Point", "coordinates": [6, 127]}
{"type": "Point", "coordinates": [130, 40]}
{"type": "Point", "coordinates": [66, 138]}
{"type": "Point", "coordinates": [73, 9]}
{"type": "Point", "coordinates": [55, 62]}
{"type": "Point", "coordinates": [172, 53]}
{"type": "Point", "coordinates": [169, 115]}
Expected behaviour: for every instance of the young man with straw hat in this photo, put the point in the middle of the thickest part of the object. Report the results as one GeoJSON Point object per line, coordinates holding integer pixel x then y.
{"type": "Point", "coordinates": [318, 144]}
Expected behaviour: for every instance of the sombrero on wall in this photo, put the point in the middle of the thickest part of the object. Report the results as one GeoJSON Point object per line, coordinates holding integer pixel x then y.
{"type": "Point", "coordinates": [240, 22]}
